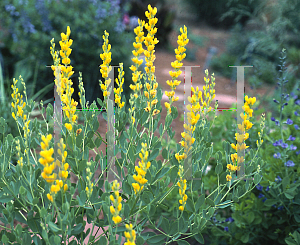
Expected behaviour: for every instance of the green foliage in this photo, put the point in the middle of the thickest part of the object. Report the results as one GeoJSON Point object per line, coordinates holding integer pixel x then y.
{"type": "Point", "coordinates": [270, 213]}
{"type": "Point", "coordinates": [23, 188]}
{"type": "Point", "coordinates": [212, 11]}
{"type": "Point", "coordinates": [221, 64]}
{"type": "Point", "coordinates": [37, 22]}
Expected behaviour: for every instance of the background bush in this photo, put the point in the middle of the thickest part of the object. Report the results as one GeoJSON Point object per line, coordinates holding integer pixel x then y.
{"type": "Point", "coordinates": [28, 26]}
{"type": "Point", "coordinates": [211, 11]}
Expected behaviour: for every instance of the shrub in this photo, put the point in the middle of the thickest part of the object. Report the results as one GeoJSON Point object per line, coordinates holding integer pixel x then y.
{"type": "Point", "coordinates": [38, 193]}
{"type": "Point", "coordinates": [211, 11]}
{"type": "Point", "coordinates": [270, 214]}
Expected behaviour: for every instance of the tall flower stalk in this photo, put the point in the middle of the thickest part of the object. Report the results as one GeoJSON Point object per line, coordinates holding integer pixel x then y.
{"type": "Point", "coordinates": [150, 42]}
{"type": "Point", "coordinates": [177, 64]}
{"type": "Point", "coordinates": [65, 89]}
{"type": "Point", "coordinates": [105, 67]}
{"type": "Point", "coordinates": [141, 170]}
{"type": "Point", "coordinates": [240, 146]}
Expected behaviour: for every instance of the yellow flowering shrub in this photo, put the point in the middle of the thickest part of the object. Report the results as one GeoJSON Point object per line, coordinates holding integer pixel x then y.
{"type": "Point", "coordinates": [38, 192]}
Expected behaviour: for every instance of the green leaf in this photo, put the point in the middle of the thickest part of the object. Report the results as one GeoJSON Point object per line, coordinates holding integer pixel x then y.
{"type": "Point", "coordinates": [165, 225]}
{"type": "Point", "coordinates": [126, 210]}
{"type": "Point", "coordinates": [199, 238]}
{"type": "Point", "coordinates": [290, 241]}
{"type": "Point", "coordinates": [57, 240]}
{"type": "Point", "coordinates": [209, 202]}
{"type": "Point", "coordinates": [165, 153]}
{"type": "Point", "coordinates": [131, 153]}
{"type": "Point", "coordinates": [190, 205]}
{"type": "Point", "coordinates": [6, 198]}
{"type": "Point", "coordinates": [77, 229]}
{"type": "Point", "coordinates": [160, 129]}
{"type": "Point", "coordinates": [174, 112]}
{"type": "Point", "coordinates": [4, 239]}
{"type": "Point", "coordinates": [218, 156]}
{"type": "Point", "coordinates": [53, 227]}
{"type": "Point", "coordinates": [219, 169]}
{"type": "Point", "coordinates": [289, 194]}
{"type": "Point", "coordinates": [270, 202]}
{"type": "Point", "coordinates": [245, 237]}
{"type": "Point", "coordinates": [126, 187]}
{"type": "Point", "coordinates": [139, 241]}
{"type": "Point", "coordinates": [250, 217]}
{"type": "Point", "coordinates": [196, 185]}
{"type": "Point", "coordinates": [102, 240]}
{"type": "Point", "coordinates": [174, 174]}
{"type": "Point", "coordinates": [297, 218]}
{"type": "Point", "coordinates": [18, 230]}
{"type": "Point", "coordinates": [95, 124]}
{"type": "Point", "coordinates": [257, 179]}
{"type": "Point", "coordinates": [153, 155]}
{"type": "Point", "coordinates": [211, 212]}
{"type": "Point", "coordinates": [162, 173]}
{"type": "Point", "coordinates": [35, 201]}
{"type": "Point", "coordinates": [285, 182]}
{"type": "Point", "coordinates": [168, 121]}
{"type": "Point", "coordinates": [146, 198]}
{"type": "Point", "coordinates": [182, 242]}
{"type": "Point", "coordinates": [200, 202]}
{"type": "Point", "coordinates": [22, 190]}
{"type": "Point", "coordinates": [152, 210]}
{"type": "Point", "coordinates": [156, 239]}
{"type": "Point", "coordinates": [183, 225]}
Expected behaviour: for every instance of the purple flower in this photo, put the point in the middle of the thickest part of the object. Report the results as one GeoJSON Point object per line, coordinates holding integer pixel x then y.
{"type": "Point", "coordinates": [225, 228]}
{"type": "Point", "coordinates": [297, 102]}
{"type": "Point", "coordinates": [268, 188]}
{"type": "Point", "coordinates": [296, 127]}
{"type": "Point", "coordinates": [277, 155]}
{"type": "Point", "coordinates": [277, 123]}
{"type": "Point", "coordinates": [294, 96]}
{"type": "Point", "coordinates": [264, 199]}
{"type": "Point", "coordinates": [261, 195]}
{"type": "Point", "coordinates": [296, 114]}
{"type": "Point", "coordinates": [293, 147]}
{"type": "Point", "coordinates": [280, 208]}
{"type": "Point", "coordinates": [297, 153]}
{"type": "Point", "coordinates": [289, 163]}
{"type": "Point", "coordinates": [273, 119]}
{"type": "Point", "coordinates": [277, 143]}
{"type": "Point", "coordinates": [276, 101]}
{"type": "Point", "coordinates": [289, 121]}
{"type": "Point", "coordinates": [291, 138]}
{"type": "Point", "coordinates": [259, 187]}
{"type": "Point", "coordinates": [278, 178]}
{"type": "Point", "coordinates": [133, 22]}
{"type": "Point", "coordinates": [229, 220]}
{"type": "Point", "coordinates": [284, 145]}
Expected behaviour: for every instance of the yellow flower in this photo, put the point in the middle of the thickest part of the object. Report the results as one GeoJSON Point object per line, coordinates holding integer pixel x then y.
{"type": "Point", "coordinates": [182, 187]}
{"type": "Point", "coordinates": [78, 131]}
{"type": "Point", "coordinates": [50, 198]}
{"type": "Point", "coordinates": [228, 177]}
{"type": "Point", "coordinates": [68, 126]}
{"type": "Point", "coordinates": [116, 203]}
{"type": "Point", "coordinates": [130, 235]}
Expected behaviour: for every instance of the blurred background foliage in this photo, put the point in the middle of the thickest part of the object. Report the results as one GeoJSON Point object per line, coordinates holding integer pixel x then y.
{"type": "Point", "coordinates": [271, 26]}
